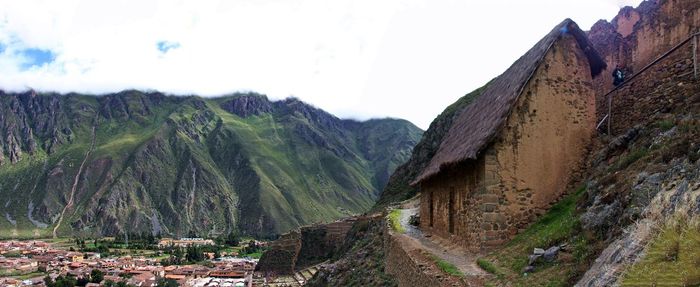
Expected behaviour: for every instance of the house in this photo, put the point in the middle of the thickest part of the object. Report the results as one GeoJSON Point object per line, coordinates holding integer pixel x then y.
{"type": "Point", "coordinates": [511, 153]}
{"type": "Point", "coordinates": [184, 242]}
{"type": "Point", "coordinates": [76, 257]}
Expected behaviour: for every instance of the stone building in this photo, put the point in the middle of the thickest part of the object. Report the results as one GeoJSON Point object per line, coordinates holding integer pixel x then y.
{"type": "Point", "coordinates": [511, 153]}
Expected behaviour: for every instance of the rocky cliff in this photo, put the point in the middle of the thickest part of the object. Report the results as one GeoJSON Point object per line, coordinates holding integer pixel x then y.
{"type": "Point", "coordinates": [147, 162]}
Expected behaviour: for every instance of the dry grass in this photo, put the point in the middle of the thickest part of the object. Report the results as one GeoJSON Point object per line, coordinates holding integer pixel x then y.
{"type": "Point", "coordinates": [671, 259]}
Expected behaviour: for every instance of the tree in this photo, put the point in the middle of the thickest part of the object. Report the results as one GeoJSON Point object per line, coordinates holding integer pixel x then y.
{"type": "Point", "coordinates": [68, 281]}
{"type": "Point", "coordinates": [162, 282]}
{"type": "Point", "coordinates": [232, 239]}
{"type": "Point", "coordinates": [82, 281]}
{"type": "Point", "coordinates": [109, 283]}
{"type": "Point", "coordinates": [48, 281]}
{"type": "Point", "coordinates": [96, 276]}
{"type": "Point", "coordinates": [194, 253]}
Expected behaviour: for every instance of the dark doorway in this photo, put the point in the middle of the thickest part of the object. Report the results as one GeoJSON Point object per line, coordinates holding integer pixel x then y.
{"type": "Point", "coordinates": [430, 207]}
{"type": "Point", "coordinates": [451, 216]}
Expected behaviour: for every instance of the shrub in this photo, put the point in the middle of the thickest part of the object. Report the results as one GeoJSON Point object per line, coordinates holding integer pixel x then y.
{"type": "Point", "coordinates": [395, 221]}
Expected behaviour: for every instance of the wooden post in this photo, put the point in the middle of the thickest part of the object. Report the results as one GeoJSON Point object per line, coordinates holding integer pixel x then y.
{"type": "Point", "coordinates": [610, 114]}
{"type": "Point", "coordinates": [695, 56]}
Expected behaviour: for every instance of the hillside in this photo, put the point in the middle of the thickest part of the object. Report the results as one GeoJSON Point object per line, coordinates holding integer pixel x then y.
{"type": "Point", "coordinates": [147, 162]}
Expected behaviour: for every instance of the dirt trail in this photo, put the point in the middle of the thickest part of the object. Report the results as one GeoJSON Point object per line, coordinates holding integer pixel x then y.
{"type": "Point", "coordinates": [75, 183]}
{"type": "Point", "coordinates": [465, 261]}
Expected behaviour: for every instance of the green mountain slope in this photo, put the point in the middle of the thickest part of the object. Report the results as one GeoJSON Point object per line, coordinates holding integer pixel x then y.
{"type": "Point", "coordinates": [146, 162]}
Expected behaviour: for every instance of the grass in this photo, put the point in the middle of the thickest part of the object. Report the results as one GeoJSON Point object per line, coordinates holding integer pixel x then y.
{"type": "Point", "coordinates": [554, 226]}
{"type": "Point", "coordinates": [30, 275]}
{"type": "Point", "coordinates": [665, 125]}
{"type": "Point", "coordinates": [671, 259]}
{"type": "Point", "coordinates": [446, 267]}
{"type": "Point", "coordinates": [630, 158]}
{"type": "Point", "coordinates": [395, 221]}
{"type": "Point", "coordinates": [21, 275]}
{"type": "Point", "coordinates": [489, 267]}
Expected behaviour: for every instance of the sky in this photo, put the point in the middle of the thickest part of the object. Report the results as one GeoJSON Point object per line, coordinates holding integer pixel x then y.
{"type": "Point", "coordinates": [405, 59]}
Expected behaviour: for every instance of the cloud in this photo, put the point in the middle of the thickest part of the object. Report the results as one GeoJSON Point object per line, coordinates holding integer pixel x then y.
{"type": "Point", "coordinates": [360, 59]}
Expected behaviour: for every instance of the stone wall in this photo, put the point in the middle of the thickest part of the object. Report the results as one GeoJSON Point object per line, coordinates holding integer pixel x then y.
{"type": "Point", "coordinates": [404, 268]}
{"type": "Point", "coordinates": [483, 203]}
{"type": "Point", "coordinates": [281, 257]}
{"type": "Point", "coordinates": [635, 37]}
{"type": "Point", "coordinates": [304, 247]}
{"type": "Point", "coordinates": [667, 83]}
{"type": "Point", "coordinates": [320, 242]}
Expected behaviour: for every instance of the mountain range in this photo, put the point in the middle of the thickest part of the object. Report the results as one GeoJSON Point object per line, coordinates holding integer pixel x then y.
{"type": "Point", "coordinates": [134, 162]}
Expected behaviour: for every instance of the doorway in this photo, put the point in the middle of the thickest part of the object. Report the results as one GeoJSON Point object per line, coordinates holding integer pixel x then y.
{"type": "Point", "coordinates": [452, 211]}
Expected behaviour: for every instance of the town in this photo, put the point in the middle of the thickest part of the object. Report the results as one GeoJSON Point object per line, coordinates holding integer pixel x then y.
{"type": "Point", "coordinates": [145, 262]}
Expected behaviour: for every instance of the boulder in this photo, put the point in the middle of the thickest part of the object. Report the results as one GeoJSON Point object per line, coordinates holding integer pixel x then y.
{"type": "Point", "coordinates": [551, 253]}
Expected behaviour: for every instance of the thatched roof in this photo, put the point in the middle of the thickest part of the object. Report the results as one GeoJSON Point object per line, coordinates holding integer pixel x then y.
{"type": "Point", "coordinates": [477, 125]}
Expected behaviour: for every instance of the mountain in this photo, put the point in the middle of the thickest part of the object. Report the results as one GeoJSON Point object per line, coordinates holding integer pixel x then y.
{"type": "Point", "coordinates": [146, 162]}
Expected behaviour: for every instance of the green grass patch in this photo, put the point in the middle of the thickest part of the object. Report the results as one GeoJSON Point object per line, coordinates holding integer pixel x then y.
{"type": "Point", "coordinates": [30, 275]}
{"type": "Point", "coordinates": [671, 259]}
{"type": "Point", "coordinates": [553, 227]}
{"type": "Point", "coordinates": [630, 158]}
{"type": "Point", "coordinates": [665, 125]}
{"type": "Point", "coordinates": [21, 275]}
{"type": "Point", "coordinates": [395, 221]}
{"type": "Point", "coordinates": [446, 267]}
{"type": "Point", "coordinates": [488, 267]}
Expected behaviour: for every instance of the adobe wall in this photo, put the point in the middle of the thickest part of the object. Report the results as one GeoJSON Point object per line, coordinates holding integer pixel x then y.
{"type": "Point", "coordinates": [543, 144]}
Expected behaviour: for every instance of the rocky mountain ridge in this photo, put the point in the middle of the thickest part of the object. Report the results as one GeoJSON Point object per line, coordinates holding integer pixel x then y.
{"type": "Point", "coordinates": [179, 165]}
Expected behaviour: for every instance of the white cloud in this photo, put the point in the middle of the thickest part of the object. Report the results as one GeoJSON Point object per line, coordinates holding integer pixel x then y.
{"type": "Point", "coordinates": [400, 58]}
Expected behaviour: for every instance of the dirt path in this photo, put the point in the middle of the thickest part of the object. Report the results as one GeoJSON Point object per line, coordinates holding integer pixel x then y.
{"type": "Point", "coordinates": [75, 184]}
{"type": "Point", "coordinates": [465, 261]}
